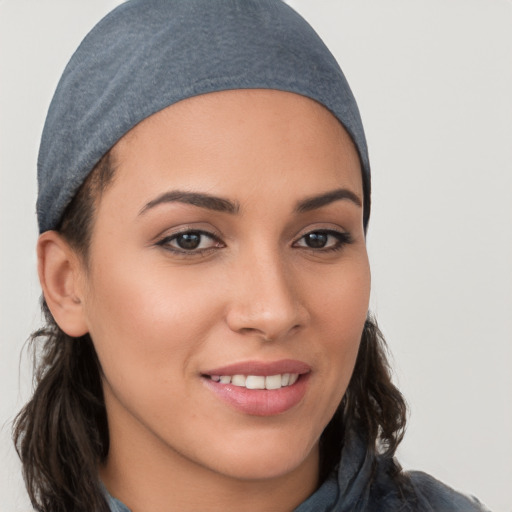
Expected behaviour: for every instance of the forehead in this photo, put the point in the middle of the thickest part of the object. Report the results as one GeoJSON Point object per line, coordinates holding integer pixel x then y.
{"type": "Point", "coordinates": [241, 107]}
{"type": "Point", "coordinates": [250, 129]}
{"type": "Point", "coordinates": [235, 142]}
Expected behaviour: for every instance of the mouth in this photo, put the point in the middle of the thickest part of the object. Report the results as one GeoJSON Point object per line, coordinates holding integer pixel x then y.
{"type": "Point", "coordinates": [259, 388]}
{"type": "Point", "coordinates": [269, 382]}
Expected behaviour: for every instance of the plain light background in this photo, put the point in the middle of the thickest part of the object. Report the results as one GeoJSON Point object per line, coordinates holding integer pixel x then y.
{"type": "Point", "coordinates": [433, 80]}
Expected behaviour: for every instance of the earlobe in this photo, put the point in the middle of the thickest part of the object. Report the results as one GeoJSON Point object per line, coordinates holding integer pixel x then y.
{"type": "Point", "coordinates": [59, 271]}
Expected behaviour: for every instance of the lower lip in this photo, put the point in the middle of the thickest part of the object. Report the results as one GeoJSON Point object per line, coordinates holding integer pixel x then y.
{"type": "Point", "coordinates": [260, 402]}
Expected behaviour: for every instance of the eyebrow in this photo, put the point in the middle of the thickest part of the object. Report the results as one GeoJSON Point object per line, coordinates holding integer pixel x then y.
{"type": "Point", "coordinates": [202, 200]}
{"type": "Point", "coordinates": [221, 204]}
{"type": "Point", "coordinates": [312, 203]}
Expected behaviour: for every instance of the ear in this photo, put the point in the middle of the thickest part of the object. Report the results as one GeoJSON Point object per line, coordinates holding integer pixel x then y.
{"type": "Point", "coordinates": [60, 274]}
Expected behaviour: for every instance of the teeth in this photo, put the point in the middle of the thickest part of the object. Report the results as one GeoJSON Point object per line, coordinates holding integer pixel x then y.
{"type": "Point", "coordinates": [273, 382]}
{"type": "Point", "coordinates": [258, 381]}
{"type": "Point", "coordinates": [293, 378]}
{"type": "Point", "coordinates": [238, 380]}
{"type": "Point", "coordinates": [255, 382]}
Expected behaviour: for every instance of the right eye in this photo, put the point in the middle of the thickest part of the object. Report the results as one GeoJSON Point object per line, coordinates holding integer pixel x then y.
{"type": "Point", "coordinates": [192, 241]}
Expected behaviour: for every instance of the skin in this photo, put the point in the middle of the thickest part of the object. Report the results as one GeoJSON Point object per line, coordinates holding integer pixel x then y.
{"type": "Point", "coordinates": [253, 291]}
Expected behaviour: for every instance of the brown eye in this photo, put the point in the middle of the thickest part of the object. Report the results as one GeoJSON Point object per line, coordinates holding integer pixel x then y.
{"type": "Point", "coordinates": [188, 241]}
{"type": "Point", "coordinates": [191, 242]}
{"type": "Point", "coordinates": [324, 240]}
{"type": "Point", "coordinates": [316, 240]}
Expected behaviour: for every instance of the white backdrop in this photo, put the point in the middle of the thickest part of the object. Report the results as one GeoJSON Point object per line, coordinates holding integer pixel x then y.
{"type": "Point", "coordinates": [434, 83]}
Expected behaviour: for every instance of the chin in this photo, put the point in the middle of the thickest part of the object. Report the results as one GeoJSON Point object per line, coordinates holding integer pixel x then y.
{"type": "Point", "coordinates": [263, 460]}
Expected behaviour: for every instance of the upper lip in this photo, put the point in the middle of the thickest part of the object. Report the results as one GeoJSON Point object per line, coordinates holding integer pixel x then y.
{"type": "Point", "coordinates": [263, 368]}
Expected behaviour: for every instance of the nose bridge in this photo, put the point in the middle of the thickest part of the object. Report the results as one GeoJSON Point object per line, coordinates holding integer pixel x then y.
{"type": "Point", "coordinates": [266, 298]}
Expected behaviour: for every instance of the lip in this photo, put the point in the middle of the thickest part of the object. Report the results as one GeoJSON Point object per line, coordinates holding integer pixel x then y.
{"type": "Point", "coordinates": [260, 402]}
{"type": "Point", "coordinates": [262, 368]}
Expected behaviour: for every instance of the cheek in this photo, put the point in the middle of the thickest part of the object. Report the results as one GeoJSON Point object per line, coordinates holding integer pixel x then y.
{"type": "Point", "coordinates": [340, 297]}
{"type": "Point", "coordinates": [148, 319]}
{"type": "Point", "coordinates": [339, 302]}
{"type": "Point", "coordinates": [348, 309]}
{"type": "Point", "coordinates": [148, 327]}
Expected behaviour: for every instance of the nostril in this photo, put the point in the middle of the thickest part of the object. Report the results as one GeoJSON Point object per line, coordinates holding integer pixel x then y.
{"type": "Point", "coordinates": [268, 335]}
{"type": "Point", "coordinates": [256, 332]}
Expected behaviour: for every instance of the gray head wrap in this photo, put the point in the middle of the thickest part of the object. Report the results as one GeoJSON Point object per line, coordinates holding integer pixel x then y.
{"type": "Point", "coordinates": [148, 54]}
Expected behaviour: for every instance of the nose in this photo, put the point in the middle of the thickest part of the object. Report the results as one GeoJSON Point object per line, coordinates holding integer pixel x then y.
{"type": "Point", "coordinates": [265, 299]}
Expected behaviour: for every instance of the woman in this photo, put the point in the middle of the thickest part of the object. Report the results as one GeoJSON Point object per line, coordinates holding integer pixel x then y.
{"type": "Point", "coordinates": [204, 194]}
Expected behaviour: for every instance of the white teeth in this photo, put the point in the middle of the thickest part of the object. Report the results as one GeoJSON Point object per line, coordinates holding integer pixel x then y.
{"type": "Point", "coordinates": [238, 380]}
{"type": "Point", "coordinates": [258, 381]}
{"type": "Point", "coordinates": [255, 382]}
{"type": "Point", "coordinates": [273, 382]}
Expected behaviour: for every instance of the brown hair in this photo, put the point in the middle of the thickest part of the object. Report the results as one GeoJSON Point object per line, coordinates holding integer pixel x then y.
{"type": "Point", "coordinates": [61, 435]}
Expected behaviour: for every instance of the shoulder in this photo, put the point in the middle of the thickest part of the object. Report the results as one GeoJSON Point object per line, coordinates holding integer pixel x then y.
{"type": "Point", "coordinates": [437, 496]}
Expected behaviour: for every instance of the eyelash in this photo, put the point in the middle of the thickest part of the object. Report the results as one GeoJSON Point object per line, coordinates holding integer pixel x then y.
{"type": "Point", "coordinates": [166, 242]}
{"type": "Point", "coordinates": [342, 239]}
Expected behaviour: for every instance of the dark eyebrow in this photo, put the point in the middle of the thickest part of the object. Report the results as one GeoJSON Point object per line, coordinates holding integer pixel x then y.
{"type": "Point", "coordinates": [312, 203]}
{"type": "Point", "coordinates": [202, 200]}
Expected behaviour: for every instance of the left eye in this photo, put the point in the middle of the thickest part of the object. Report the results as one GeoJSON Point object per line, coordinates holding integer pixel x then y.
{"type": "Point", "coordinates": [323, 240]}
{"type": "Point", "coordinates": [189, 241]}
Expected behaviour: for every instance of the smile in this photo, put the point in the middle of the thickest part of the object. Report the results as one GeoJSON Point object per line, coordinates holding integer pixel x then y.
{"type": "Point", "coordinates": [270, 382]}
{"type": "Point", "coordinates": [260, 388]}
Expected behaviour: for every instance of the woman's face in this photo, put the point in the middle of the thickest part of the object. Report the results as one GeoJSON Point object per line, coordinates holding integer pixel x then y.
{"type": "Point", "coordinates": [230, 243]}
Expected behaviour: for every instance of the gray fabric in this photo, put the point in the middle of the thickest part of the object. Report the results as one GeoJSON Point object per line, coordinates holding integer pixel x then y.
{"type": "Point", "coordinates": [363, 484]}
{"type": "Point", "coordinates": [148, 54]}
